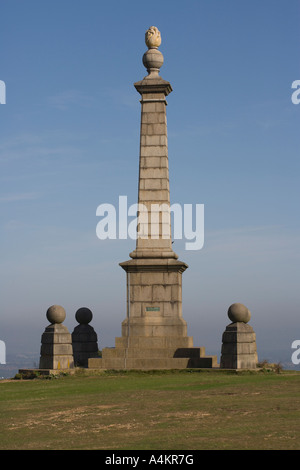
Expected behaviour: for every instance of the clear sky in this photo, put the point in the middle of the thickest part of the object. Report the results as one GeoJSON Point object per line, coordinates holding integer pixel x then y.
{"type": "Point", "coordinates": [69, 141]}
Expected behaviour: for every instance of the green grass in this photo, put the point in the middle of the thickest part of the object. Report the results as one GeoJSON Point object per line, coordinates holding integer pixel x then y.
{"type": "Point", "coordinates": [185, 410]}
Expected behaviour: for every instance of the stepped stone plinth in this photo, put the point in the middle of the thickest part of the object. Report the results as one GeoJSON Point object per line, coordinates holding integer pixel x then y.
{"type": "Point", "coordinates": [154, 333]}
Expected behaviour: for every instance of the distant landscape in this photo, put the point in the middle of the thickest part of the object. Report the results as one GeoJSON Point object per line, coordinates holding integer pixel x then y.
{"type": "Point", "coordinates": [14, 362]}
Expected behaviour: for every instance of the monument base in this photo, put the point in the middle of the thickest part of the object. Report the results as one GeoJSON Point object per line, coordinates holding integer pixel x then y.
{"type": "Point", "coordinates": [154, 334]}
{"type": "Point", "coordinates": [160, 352]}
{"type": "Point", "coordinates": [153, 363]}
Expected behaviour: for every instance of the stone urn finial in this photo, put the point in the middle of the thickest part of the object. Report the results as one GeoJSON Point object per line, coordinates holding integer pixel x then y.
{"type": "Point", "coordinates": [153, 58]}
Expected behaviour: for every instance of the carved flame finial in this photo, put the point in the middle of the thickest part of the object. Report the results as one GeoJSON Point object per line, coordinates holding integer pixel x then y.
{"type": "Point", "coordinates": [152, 38]}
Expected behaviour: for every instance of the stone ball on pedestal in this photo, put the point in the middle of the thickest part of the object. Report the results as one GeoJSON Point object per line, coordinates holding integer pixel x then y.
{"type": "Point", "coordinates": [239, 313]}
{"type": "Point", "coordinates": [84, 315]}
{"type": "Point", "coordinates": [153, 58]}
{"type": "Point", "coordinates": [56, 347]}
{"type": "Point", "coordinates": [56, 314]}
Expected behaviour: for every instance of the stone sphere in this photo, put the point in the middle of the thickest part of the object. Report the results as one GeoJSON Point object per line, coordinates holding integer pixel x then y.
{"type": "Point", "coordinates": [153, 59]}
{"type": "Point", "coordinates": [239, 313]}
{"type": "Point", "coordinates": [56, 314]}
{"type": "Point", "coordinates": [83, 315]}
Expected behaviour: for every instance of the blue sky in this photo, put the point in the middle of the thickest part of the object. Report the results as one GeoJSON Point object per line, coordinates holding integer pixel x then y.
{"type": "Point", "coordinates": [69, 141]}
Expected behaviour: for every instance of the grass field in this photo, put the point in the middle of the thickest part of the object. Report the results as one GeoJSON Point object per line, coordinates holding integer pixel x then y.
{"type": "Point", "coordinates": [187, 410]}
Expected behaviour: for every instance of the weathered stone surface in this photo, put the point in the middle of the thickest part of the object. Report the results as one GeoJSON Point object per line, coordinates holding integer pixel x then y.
{"type": "Point", "coordinates": [153, 363]}
{"type": "Point", "coordinates": [239, 313]}
{"type": "Point", "coordinates": [56, 348]}
{"type": "Point", "coordinates": [239, 349]}
{"type": "Point", "coordinates": [154, 342]}
{"type": "Point", "coordinates": [56, 314]}
{"type": "Point", "coordinates": [56, 362]}
{"type": "Point", "coordinates": [154, 334]}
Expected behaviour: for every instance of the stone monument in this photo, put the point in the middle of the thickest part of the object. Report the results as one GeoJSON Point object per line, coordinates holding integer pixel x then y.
{"type": "Point", "coordinates": [84, 338]}
{"type": "Point", "coordinates": [56, 347]}
{"type": "Point", "coordinates": [154, 333]}
{"type": "Point", "coordinates": [239, 340]}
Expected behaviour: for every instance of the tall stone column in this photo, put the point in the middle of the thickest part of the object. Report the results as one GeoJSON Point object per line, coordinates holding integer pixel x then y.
{"type": "Point", "coordinates": [154, 275]}
{"type": "Point", "coordinates": [154, 229]}
{"type": "Point", "coordinates": [154, 334]}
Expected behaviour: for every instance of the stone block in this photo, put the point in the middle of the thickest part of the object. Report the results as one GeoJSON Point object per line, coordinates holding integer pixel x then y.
{"type": "Point", "coordinates": [159, 129]}
{"type": "Point", "coordinates": [153, 196]}
{"type": "Point", "coordinates": [153, 117]}
{"type": "Point", "coordinates": [146, 363]}
{"type": "Point", "coordinates": [172, 309]}
{"type": "Point", "coordinates": [152, 172]}
{"type": "Point", "coordinates": [153, 183]}
{"type": "Point", "coordinates": [238, 341]}
{"type": "Point", "coordinates": [149, 151]}
{"type": "Point", "coordinates": [84, 338]}
{"type": "Point", "coordinates": [160, 292]}
{"type": "Point", "coordinates": [56, 342]}
{"type": "Point", "coordinates": [172, 278]}
{"type": "Point", "coordinates": [245, 361]}
{"type": "Point", "coordinates": [58, 349]}
{"type": "Point", "coordinates": [149, 107]}
{"type": "Point", "coordinates": [145, 342]}
{"type": "Point", "coordinates": [190, 352]}
{"type": "Point", "coordinates": [160, 107]}
{"type": "Point", "coordinates": [155, 140]}
{"type": "Point", "coordinates": [56, 362]}
{"type": "Point", "coordinates": [56, 333]}
{"type": "Point", "coordinates": [238, 348]}
{"type": "Point", "coordinates": [148, 278]}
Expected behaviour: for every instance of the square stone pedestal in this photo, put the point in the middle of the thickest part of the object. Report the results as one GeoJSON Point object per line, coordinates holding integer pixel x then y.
{"type": "Point", "coordinates": [85, 344]}
{"type": "Point", "coordinates": [238, 347]}
{"type": "Point", "coordinates": [56, 348]}
{"type": "Point", "coordinates": [154, 334]}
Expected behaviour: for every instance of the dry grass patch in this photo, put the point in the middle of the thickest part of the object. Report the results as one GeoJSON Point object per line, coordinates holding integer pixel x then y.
{"type": "Point", "coordinates": [154, 411]}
